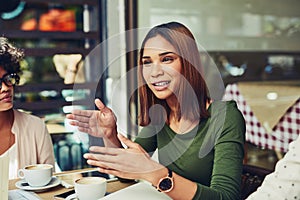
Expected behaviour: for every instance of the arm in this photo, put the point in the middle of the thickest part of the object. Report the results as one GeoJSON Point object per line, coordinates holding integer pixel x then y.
{"type": "Point", "coordinates": [284, 182]}
{"type": "Point", "coordinates": [228, 153]}
{"type": "Point", "coordinates": [45, 147]}
{"type": "Point", "coordinates": [98, 123]}
{"type": "Point", "coordinates": [135, 163]}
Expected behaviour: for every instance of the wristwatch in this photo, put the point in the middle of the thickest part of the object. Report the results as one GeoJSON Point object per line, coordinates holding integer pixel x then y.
{"type": "Point", "coordinates": [166, 184]}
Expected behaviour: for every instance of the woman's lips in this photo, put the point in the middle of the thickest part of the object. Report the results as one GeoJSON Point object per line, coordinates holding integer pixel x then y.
{"type": "Point", "coordinates": [162, 85]}
{"type": "Point", "coordinates": [6, 98]}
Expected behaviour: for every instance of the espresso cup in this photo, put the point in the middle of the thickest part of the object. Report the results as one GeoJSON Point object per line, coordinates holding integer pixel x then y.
{"type": "Point", "coordinates": [90, 188]}
{"type": "Point", "coordinates": [36, 175]}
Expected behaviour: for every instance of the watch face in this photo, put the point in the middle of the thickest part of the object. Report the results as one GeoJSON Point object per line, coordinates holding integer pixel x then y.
{"type": "Point", "coordinates": [165, 184]}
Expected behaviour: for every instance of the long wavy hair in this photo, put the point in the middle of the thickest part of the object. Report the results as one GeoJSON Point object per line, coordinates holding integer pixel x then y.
{"type": "Point", "coordinates": [188, 107]}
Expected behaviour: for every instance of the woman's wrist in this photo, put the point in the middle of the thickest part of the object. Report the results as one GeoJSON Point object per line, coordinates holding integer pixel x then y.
{"type": "Point", "coordinates": [111, 138]}
{"type": "Point", "coordinates": [154, 176]}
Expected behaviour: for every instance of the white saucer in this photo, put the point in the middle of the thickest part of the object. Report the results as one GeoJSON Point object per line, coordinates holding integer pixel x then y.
{"type": "Point", "coordinates": [71, 196]}
{"type": "Point", "coordinates": [22, 184]}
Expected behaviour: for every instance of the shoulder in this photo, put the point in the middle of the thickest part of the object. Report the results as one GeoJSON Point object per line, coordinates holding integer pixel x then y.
{"type": "Point", "coordinates": [23, 120]}
{"type": "Point", "coordinates": [228, 104]}
{"type": "Point", "coordinates": [25, 116]}
{"type": "Point", "coordinates": [226, 108]}
{"type": "Point", "coordinates": [229, 119]}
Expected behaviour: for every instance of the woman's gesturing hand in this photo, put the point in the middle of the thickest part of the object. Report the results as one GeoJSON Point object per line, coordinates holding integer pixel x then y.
{"type": "Point", "coordinates": [132, 162]}
{"type": "Point", "coordinates": [98, 123]}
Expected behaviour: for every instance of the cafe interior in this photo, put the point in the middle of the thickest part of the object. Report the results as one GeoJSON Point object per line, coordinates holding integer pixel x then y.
{"type": "Point", "coordinates": [77, 50]}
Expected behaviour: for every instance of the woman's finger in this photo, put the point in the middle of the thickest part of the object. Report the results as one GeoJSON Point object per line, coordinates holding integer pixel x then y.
{"type": "Point", "coordinates": [100, 105]}
{"type": "Point", "coordinates": [100, 163]}
{"type": "Point", "coordinates": [115, 169]}
{"type": "Point", "coordinates": [126, 141]}
{"type": "Point", "coordinates": [105, 158]}
{"type": "Point", "coordinates": [106, 150]}
{"type": "Point", "coordinates": [131, 144]}
{"type": "Point", "coordinates": [85, 113]}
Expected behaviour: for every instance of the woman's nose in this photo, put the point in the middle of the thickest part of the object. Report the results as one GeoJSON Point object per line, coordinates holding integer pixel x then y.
{"type": "Point", "coordinates": [156, 70]}
{"type": "Point", "coordinates": [4, 87]}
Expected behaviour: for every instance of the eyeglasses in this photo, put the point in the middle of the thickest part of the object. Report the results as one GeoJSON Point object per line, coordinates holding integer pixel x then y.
{"type": "Point", "coordinates": [10, 79]}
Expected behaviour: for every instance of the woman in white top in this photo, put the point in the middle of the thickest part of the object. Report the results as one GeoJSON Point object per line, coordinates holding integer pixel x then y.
{"type": "Point", "coordinates": [284, 182]}
{"type": "Point", "coordinates": [23, 137]}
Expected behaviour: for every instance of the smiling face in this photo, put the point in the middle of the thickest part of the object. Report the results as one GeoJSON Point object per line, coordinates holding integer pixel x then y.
{"type": "Point", "coordinates": [6, 94]}
{"type": "Point", "coordinates": [161, 67]}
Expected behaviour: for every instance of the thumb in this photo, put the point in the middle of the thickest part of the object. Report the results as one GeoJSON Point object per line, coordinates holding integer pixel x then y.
{"type": "Point", "coordinates": [132, 145]}
{"type": "Point", "coordinates": [126, 141]}
{"type": "Point", "coordinates": [99, 104]}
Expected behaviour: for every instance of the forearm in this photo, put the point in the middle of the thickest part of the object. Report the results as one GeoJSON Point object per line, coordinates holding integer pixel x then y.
{"type": "Point", "coordinates": [111, 139]}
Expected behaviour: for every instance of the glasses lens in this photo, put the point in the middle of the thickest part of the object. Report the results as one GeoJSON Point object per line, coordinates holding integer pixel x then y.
{"type": "Point", "coordinates": [11, 79]}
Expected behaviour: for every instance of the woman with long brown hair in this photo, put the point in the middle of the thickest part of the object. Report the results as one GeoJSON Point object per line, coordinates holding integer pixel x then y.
{"type": "Point", "coordinates": [199, 141]}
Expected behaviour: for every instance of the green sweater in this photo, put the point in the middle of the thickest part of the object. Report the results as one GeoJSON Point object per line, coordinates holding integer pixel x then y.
{"type": "Point", "coordinates": [211, 154]}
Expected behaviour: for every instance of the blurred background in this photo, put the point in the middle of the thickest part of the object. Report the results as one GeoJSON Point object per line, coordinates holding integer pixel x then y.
{"type": "Point", "coordinates": [255, 46]}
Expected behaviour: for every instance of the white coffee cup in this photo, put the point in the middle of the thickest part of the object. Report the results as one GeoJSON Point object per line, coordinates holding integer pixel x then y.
{"type": "Point", "coordinates": [90, 188]}
{"type": "Point", "coordinates": [36, 175]}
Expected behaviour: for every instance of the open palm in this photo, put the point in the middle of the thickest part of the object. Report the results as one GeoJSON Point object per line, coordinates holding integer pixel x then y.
{"type": "Point", "coordinates": [98, 123]}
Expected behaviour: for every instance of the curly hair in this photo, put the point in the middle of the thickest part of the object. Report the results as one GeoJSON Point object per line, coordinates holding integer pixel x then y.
{"type": "Point", "coordinates": [10, 56]}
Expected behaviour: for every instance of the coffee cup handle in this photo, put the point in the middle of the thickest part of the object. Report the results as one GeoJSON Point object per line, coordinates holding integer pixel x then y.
{"type": "Point", "coordinates": [21, 173]}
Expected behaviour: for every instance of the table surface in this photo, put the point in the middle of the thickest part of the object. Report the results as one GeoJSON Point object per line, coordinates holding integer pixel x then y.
{"type": "Point", "coordinates": [57, 128]}
{"type": "Point", "coordinates": [69, 175]}
{"type": "Point", "coordinates": [269, 111]}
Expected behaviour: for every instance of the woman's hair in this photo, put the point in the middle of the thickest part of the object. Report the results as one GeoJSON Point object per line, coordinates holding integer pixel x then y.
{"type": "Point", "coordinates": [10, 56]}
{"type": "Point", "coordinates": [192, 93]}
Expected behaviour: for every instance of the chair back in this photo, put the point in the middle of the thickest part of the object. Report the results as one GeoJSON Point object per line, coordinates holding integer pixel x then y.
{"type": "Point", "coordinates": [252, 178]}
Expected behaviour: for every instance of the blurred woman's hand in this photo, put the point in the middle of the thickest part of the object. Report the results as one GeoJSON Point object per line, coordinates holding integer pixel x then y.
{"type": "Point", "coordinates": [98, 123]}
{"type": "Point", "coordinates": [132, 162]}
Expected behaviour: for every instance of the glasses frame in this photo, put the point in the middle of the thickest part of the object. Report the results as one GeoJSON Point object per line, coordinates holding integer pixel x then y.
{"type": "Point", "coordinates": [4, 79]}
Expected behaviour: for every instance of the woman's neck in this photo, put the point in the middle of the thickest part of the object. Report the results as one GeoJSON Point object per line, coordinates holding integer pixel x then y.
{"type": "Point", "coordinates": [183, 125]}
{"type": "Point", "coordinates": [6, 119]}
{"type": "Point", "coordinates": [180, 125]}
{"type": "Point", "coordinates": [172, 102]}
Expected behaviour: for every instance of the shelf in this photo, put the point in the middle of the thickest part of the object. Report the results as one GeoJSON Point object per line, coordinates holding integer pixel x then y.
{"type": "Point", "coordinates": [40, 45]}
{"type": "Point", "coordinates": [251, 43]}
{"type": "Point", "coordinates": [50, 35]}
{"type": "Point", "coordinates": [204, 7]}
{"type": "Point", "coordinates": [37, 107]}
{"type": "Point", "coordinates": [39, 51]}
{"type": "Point", "coordinates": [36, 87]}
{"type": "Point", "coordinates": [66, 2]}
{"type": "Point", "coordinates": [52, 51]}
{"type": "Point", "coordinates": [258, 52]}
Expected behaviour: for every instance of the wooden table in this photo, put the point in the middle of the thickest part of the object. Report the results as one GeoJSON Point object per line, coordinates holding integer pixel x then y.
{"type": "Point", "coordinates": [70, 175]}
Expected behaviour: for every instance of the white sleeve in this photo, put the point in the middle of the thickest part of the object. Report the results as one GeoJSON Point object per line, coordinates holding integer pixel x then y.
{"type": "Point", "coordinates": [284, 182]}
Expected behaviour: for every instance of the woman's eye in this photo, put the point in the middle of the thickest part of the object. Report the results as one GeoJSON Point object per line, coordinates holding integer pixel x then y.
{"type": "Point", "coordinates": [167, 59]}
{"type": "Point", "coordinates": [146, 62]}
